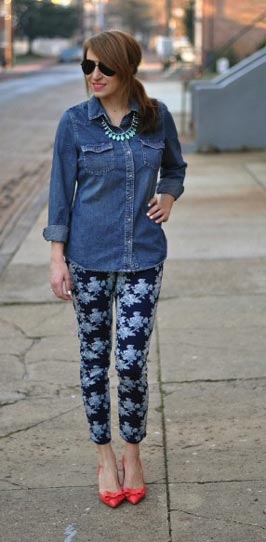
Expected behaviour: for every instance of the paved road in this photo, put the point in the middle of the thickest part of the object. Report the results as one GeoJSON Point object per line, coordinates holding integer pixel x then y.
{"type": "Point", "coordinates": [30, 107]}
{"type": "Point", "coordinates": [39, 81]}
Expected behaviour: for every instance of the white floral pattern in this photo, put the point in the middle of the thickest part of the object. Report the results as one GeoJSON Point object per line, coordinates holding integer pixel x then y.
{"type": "Point", "coordinates": [136, 295]}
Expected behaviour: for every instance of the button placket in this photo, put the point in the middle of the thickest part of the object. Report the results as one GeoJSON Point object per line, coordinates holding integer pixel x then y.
{"type": "Point", "coordinates": [129, 205]}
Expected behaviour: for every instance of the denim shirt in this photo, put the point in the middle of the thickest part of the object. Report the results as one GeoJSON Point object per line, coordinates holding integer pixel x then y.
{"type": "Point", "coordinates": [100, 189]}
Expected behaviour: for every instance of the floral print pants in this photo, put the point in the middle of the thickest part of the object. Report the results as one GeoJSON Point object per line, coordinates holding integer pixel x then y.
{"type": "Point", "coordinates": [135, 295]}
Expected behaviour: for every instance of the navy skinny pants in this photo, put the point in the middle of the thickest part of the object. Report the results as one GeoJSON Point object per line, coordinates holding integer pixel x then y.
{"type": "Point", "coordinates": [135, 295]}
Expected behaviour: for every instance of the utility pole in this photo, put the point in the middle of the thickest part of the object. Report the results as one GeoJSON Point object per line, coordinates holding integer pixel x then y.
{"type": "Point", "coordinates": [198, 40]}
{"type": "Point", "coordinates": [100, 16]}
{"type": "Point", "coordinates": [8, 33]}
{"type": "Point", "coordinates": [81, 16]}
{"type": "Point", "coordinates": [168, 12]}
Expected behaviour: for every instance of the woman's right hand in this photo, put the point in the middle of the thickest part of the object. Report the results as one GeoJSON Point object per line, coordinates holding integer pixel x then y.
{"type": "Point", "coordinates": [59, 275]}
{"type": "Point", "coordinates": [60, 279]}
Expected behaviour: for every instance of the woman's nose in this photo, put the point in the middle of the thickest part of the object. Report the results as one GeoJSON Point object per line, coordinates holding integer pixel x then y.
{"type": "Point", "coordinates": [97, 74]}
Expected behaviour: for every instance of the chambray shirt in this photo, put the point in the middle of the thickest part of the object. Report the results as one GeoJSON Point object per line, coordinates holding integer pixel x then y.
{"type": "Point", "coordinates": [100, 189]}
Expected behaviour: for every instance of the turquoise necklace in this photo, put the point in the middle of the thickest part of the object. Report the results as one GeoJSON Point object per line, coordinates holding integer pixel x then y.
{"type": "Point", "coordinates": [121, 136]}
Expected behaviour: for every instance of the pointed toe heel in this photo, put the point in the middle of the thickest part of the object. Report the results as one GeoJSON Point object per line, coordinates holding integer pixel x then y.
{"type": "Point", "coordinates": [110, 498]}
{"type": "Point", "coordinates": [134, 495]}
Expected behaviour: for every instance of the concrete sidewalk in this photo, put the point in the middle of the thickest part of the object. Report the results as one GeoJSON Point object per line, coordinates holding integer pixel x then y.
{"type": "Point", "coordinates": [204, 455]}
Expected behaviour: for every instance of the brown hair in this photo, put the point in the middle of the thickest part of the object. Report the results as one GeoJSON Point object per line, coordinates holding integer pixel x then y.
{"type": "Point", "coordinates": [122, 53]}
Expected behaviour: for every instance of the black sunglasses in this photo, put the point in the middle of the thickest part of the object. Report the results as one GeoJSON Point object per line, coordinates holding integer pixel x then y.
{"type": "Point", "coordinates": [88, 66]}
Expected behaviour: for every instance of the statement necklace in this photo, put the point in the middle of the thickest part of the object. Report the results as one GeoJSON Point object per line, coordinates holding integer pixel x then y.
{"type": "Point", "coordinates": [121, 136]}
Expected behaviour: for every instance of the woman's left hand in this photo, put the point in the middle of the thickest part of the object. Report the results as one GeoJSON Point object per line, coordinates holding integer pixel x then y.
{"type": "Point", "coordinates": [160, 207]}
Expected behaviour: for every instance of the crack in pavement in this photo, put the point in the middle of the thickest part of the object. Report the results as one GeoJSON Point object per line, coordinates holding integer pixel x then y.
{"type": "Point", "coordinates": [55, 314]}
{"type": "Point", "coordinates": [163, 422]}
{"type": "Point", "coordinates": [29, 395]}
{"type": "Point", "coordinates": [215, 450]}
{"type": "Point", "coordinates": [41, 488]}
{"type": "Point", "coordinates": [13, 326]}
{"type": "Point", "coordinates": [36, 424]}
{"type": "Point", "coordinates": [57, 360]}
{"type": "Point", "coordinates": [17, 327]}
{"type": "Point", "coordinates": [12, 484]}
{"type": "Point", "coordinates": [208, 294]}
{"type": "Point", "coordinates": [25, 303]}
{"type": "Point", "coordinates": [212, 518]}
{"type": "Point", "coordinates": [191, 446]}
{"type": "Point", "coordinates": [12, 402]}
{"type": "Point", "coordinates": [155, 482]}
{"type": "Point", "coordinates": [220, 348]}
{"type": "Point", "coordinates": [87, 484]}
{"type": "Point", "coordinates": [162, 299]}
{"type": "Point", "coordinates": [213, 381]}
{"type": "Point", "coordinates": [228, 481]}
{"type": "Point", "coordinates": [22, 358]}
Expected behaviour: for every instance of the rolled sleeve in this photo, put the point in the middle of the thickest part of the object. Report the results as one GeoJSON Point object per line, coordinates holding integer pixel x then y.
{"type": "Point", "coordinates": [173, 167]}
{"type": "Point", "coordinates": [62, 182]}
{"type": "Point", "coordinates": [56, 233]}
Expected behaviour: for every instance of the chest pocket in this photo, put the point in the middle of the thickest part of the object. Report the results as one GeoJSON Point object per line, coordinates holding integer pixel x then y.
{"type": "Point", "coordinates": [152, 152]}
{"type": "Point", "coordinates": [98, 158]}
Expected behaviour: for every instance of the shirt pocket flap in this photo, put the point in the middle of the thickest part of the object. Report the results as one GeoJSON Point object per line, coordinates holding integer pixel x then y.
{"type": "Point", "coordinates": [152, 152]}
{"type": "Point", "coordinates": [98, 158]}
{"type": "Point", "coordinates": [153, 144]}
{"type": "Point", "coordinates": [97, 148]}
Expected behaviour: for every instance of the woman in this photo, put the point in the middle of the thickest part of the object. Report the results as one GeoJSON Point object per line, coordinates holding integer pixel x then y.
{"type": "Point", "coordinates": [105, 214]}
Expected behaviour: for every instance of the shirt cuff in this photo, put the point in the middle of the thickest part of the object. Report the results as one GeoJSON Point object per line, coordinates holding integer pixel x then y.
{"type": "Point", "coordinates": [56, 233]}
{"type": "Point", "coordinates": [167, 188]}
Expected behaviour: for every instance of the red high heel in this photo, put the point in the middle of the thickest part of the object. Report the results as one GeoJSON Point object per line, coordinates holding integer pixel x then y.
{"type": "Point", "coordinates": [134, 495]}
{"type": "Point", "coordinates": [111, 498]}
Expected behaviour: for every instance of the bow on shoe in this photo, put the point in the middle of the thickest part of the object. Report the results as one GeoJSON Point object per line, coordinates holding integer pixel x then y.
{"type": "Point", "coordinates": [112, 498]}
{"type": "Point", "coordinates": [134, 495]}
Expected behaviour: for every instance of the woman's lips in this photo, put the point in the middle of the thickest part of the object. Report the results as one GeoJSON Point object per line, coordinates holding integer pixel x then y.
{"type": "Point", "coordinates": [98, 86]}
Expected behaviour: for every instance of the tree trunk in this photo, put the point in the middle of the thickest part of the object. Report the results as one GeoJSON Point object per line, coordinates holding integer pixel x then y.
{"type": "Point", "coordinates": [30, 41]}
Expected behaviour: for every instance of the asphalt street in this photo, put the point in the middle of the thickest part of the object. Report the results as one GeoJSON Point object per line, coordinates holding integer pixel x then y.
{"type": "Point", "coordinates": [38, 82]}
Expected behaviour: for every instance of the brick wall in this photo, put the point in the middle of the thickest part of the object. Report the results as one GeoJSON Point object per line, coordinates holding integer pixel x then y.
{"type": "Point", "coordinates": [225, 20]}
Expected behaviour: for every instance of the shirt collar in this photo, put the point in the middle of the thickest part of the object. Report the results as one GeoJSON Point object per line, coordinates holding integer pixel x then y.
{"type": "Point", "coordinates": [96, 110]}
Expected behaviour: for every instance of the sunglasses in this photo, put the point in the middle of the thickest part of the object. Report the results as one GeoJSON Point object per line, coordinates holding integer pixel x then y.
{"type": "Point", "coordinates": [88, 66]}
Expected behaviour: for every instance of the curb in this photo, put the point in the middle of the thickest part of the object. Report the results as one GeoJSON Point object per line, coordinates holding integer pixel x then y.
{"type": "Point", "coordinates": [26, 69]}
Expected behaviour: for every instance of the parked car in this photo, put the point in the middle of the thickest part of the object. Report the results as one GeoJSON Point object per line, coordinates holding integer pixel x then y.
{"type": "Point", "coordinates": [71, 54]}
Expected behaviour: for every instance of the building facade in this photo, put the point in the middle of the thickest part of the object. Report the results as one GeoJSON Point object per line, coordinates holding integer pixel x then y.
{"type": "Point", "coordinates": [166, 16]}
{"type": "Point", "coordinates": [225, 28]}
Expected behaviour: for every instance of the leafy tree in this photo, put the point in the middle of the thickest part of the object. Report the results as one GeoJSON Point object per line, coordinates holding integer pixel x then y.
{"type": "Point", "coordinates": [43, 19]}
{"type": "Point", "coordinates": [189, 19]}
